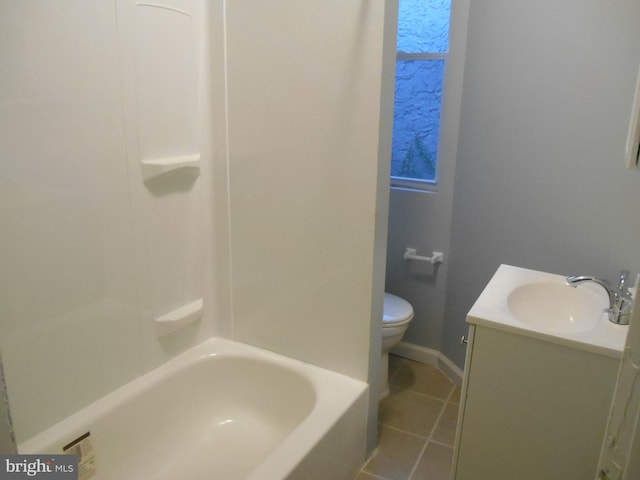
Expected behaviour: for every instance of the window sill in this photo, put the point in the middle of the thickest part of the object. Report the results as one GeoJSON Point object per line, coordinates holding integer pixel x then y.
{"type": "Point", "coordinates": [414, 185]}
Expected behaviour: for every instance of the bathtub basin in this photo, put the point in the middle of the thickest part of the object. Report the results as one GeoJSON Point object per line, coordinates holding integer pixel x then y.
{"type": "Point", "coordinates": [223, 410]}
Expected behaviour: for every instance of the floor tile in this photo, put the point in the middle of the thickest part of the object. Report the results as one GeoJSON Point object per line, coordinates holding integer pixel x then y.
{"type": "Point", "coordinates": [366, 476]}
{"type": "Point", "coordinates": [435, 464]}
{"type": "Point", "coordinates": [417, 424]}
{"type": "Point", "coordinates": [396, 455]}
{"type": "Point", "coordinates": [394, 364]}
{"type": "Point", "coordinates": [455, 396]}
{"type": "Point", "coordinates": [409, 411]}
{"type": "Point", "coordinates": [422, 378]}
{"type": "Point", "coordinates": [446, 430]}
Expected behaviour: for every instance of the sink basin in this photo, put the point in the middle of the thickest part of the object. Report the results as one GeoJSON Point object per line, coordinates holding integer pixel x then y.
{"type": "Point", "coordinates": [542, 305]}
{"type": "Point", "coordinates": [556, 307]}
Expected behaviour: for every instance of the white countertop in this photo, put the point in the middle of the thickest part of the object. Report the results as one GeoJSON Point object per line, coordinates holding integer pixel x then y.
{"type": "Point", "coordinates": [491, 310]}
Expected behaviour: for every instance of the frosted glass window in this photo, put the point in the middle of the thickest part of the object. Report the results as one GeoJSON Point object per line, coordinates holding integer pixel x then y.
{"type": "Point", "coordinates": [417, 118]}
{"type": "Point", "coordinates": [423, 25]}
{"type": "Point", "coordinates": [423, 37]}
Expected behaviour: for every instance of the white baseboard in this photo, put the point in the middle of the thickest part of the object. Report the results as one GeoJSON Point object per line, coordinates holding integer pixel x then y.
{"type": "Point", "coordinates": [430, 357]}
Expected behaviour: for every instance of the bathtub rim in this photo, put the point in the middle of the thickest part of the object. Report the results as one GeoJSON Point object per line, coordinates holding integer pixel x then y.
{"type": "Point", "coordinates": [330, 404]}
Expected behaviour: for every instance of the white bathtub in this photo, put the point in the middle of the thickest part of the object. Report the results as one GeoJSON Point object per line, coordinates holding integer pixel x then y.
{"type": "Point", "coordinates": [223, 411]}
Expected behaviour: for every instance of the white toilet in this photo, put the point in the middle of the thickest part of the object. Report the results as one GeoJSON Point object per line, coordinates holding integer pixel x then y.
{"type": "Point", "coordinates": [397, 313]}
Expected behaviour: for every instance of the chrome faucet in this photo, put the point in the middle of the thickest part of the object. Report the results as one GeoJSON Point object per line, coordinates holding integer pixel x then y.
{"type": "Point", "coordinates": [620, 298]}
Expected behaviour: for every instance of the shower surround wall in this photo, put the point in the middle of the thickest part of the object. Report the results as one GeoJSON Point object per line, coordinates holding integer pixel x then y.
{"type": "Point", "coordinates": [289, 145]}
{"type": "Point", "coordinates": [77, 306]}
{"type": "Point", "coordinates": [304, 109]}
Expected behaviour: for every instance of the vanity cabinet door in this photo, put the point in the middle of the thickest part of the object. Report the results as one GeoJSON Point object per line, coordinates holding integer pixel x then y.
{"type": "Point", "coordinates": [531, 409]}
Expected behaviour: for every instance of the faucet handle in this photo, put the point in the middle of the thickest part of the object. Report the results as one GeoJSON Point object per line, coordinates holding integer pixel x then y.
{"type": "Point", "coordinates": [622, 282]}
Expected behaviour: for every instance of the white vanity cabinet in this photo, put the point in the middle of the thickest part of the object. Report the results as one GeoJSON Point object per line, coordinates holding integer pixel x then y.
{"type": "Point", "coordinates": [540, 373]}
{"type": "Point", "coordinates": [533, 406]}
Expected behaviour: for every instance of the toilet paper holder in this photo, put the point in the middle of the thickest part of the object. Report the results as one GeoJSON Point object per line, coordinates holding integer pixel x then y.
{"type": "Point", "coordinates": [436, 257]}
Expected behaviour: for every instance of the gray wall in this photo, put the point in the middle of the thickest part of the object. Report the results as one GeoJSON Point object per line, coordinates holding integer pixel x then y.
{"type": "Point", "coordinates": [540, 177]}
{"type": "Point", "coordinates": [423, 220]}
{"type": "Point", "coordinates": [411, 221]}
{"type": "Point", "coordinates": [536, 140]}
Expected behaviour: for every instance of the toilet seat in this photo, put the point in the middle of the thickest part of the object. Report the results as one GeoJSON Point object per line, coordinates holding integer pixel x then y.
{"type": "Point", "coordinates": [396, 311]}
{"type": "Point", "coordinates": [396, 315]}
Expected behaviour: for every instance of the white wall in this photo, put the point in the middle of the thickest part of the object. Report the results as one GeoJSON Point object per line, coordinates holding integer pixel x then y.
{"type": "Point", "coordinates": [76, 316]}
{"type": "Point", "coordinates": [540, 178]}
{"type": "Point", "coordinates": [382, 214]}
{"type": "Point", "coordinates": [623, 426]}
{"type": "Point", "coordinates": [290, 145]}
{"type": "Point", "coordinates": [304, 107]}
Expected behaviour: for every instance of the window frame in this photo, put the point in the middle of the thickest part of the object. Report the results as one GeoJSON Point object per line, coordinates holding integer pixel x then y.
{"type": "Point", "coordinates": [416, 183]}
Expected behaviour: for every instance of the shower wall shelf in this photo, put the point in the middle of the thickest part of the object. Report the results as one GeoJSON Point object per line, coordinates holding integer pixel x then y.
{"type": "Point", "coordinates": [436, 257]}
{"type": "Point", "coordinates": [160, 44]}
{"type": "Point", "coordinates": [159, 166]}
{"type": "Point", "coordinates": [179, 318]}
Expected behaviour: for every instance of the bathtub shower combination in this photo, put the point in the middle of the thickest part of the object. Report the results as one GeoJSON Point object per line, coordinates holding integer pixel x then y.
{"type": "Point", "coordinates": [136, 132]}
{"type": "Point", "coordinates": [222, 410]}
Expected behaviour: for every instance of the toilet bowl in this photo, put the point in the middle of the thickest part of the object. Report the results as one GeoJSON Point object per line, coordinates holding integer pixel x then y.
{"type": "Point", "coordinates": [397, 313]}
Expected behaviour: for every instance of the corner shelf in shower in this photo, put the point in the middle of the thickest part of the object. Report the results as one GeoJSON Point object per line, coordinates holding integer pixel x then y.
{"type": "Point", "coordinates": [158, 166]}
{"type": "Point", "coordinates": [178, 318]}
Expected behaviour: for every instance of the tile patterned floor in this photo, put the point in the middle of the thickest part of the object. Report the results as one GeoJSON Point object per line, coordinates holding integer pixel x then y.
{"type": "Point", "coordinates": [417, 424]}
